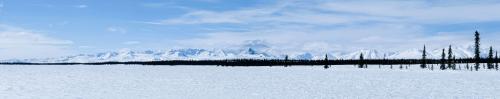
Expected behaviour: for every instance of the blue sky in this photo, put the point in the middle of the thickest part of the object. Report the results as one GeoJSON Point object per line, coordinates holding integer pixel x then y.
{"type": "Point", "coordinates": [48, 28]}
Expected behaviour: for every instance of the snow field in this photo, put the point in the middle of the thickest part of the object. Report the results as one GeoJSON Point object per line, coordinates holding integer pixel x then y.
{"type": "Point", "coordinates": [210, 82]}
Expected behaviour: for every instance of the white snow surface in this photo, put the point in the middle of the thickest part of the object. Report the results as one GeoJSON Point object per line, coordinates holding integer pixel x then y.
{"type": "Point", "coordinates": [210, 82]}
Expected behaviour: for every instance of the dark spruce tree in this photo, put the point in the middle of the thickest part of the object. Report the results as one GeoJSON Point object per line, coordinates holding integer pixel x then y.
{"type": "Point", "coordinates": [326, 62]}
{"type": "Point", "coordinates": [490, 59]}
{"type": "Point", "coordinates": [477, 58]}
{"type": "Point", "coordinates": [496, 60]}
{"type": "Point", "coordinates": [450, 58]}
{"type": "Point", "coordinates": [286, 61]}
{"type": "Point", "coordinates": [384, 60]}
{"type": "Point", "coordinates": [424, 60]}
{"type": "Point", "coordinates": [361, 61]}
{"type": "Point", "coordinates": [443, 61]}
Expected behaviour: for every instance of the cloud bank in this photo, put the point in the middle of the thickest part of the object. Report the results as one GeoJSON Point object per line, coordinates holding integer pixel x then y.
{"type": "Point", "coordinates": [21, 43]}
{"type": "Point", "coordinates": [341, 25]}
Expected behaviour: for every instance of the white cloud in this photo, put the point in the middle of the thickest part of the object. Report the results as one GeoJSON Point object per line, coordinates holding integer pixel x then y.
{"type": "Point", "coordinates": [116, 29]}
{"type": "Point", "coordinates": [85, 47]}
{"type": "Point", "coordinates": [389, 37]}
{"type": "Point", "coordinates": [340, 25]}
{"type": "Point", "coordinates": [236, 16]}
{"type": "Point", "coordinates": [20, 43]}
{"type": "Point", "coordinates": [131, 42]}
{"type": "Point", "coordinates": [419, 11]}
{"type": "Point", "coordinates": [199, 17]}
{"type": "Point", "coordinates": [347, 12]}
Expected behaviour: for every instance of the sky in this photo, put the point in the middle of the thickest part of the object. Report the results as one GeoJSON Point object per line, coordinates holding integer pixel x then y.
{"type": "Point", "coordinates": [51, 28]}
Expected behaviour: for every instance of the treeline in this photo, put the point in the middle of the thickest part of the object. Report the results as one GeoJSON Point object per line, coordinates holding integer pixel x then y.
{"type": "Point", "coordinates": [361, 63]}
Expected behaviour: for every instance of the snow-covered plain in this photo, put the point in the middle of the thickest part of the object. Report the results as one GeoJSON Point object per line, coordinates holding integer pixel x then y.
{"type": "Point", "coordinates": [210, 82]}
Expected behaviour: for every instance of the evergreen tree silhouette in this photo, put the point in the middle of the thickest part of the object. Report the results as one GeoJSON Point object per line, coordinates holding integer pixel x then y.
{"type": "Point", "coordinates": [326, 62]}
{"type": "Point", "coordinates": [361, 59]}
{"type": "Point", "coordinates": [490, 58]}
{"type": "Point", "coordinates": [450, 57]}
{"type": "Point", "coordinates": [496, 60]}
{"type": "Point", "coordinates": [384, 60]}
{"type": "Point", "coordinates": [477, 58]}
{"type": "Point", "coordinates": [424, 61]}
{"type": "Point", "coordinates": [443, 61]}
{"type": "Point", "coordinates": [286, 61]}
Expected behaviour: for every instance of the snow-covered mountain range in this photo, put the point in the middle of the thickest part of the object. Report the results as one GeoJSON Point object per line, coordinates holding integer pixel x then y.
{"type": "Point", "coordinates": [253, 50]}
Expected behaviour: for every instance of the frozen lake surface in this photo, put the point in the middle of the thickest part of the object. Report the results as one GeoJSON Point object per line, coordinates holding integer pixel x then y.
{"type": "Point", "coordinates": [210, 82]}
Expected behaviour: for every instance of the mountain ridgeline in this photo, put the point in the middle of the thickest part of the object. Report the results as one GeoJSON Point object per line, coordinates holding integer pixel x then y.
{"type": "Point", "coordinates": [463, 51]}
